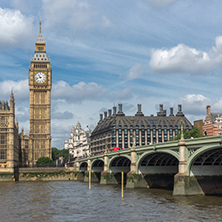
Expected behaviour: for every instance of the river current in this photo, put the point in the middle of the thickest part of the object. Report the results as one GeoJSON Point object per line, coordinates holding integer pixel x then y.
{"type": "Point", "coordinates": [73, 201]}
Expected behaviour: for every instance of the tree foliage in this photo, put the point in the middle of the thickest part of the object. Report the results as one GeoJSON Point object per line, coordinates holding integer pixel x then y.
{"type": "Point", "coordinates": [57, 153]}
{"type": "Point", "coordinates": [45, 161]}
{"type": "Point", "coordinates": [194, 133]}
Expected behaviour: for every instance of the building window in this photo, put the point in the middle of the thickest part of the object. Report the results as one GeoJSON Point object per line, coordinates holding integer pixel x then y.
{"type": "Point", "coordinates": [3, 138]}
{"type": "Point", "coordinates": [148, 136]}
{"type": "Point", "coordinates": [37, 144]}
{"type": "Point", "coordinates": [43, 98]}
{"type": "Point", "coordinates": [171, 134]}
{"type": "Point", "coordinates": [36, 98]}
{"type": "Point", "coordinates": [160, 135]}
{"type": "Point", "coordinates": [3, 154]}
{"type": "Point", "coordinates": [154, 136]}
{"type": "Point", "coordinates": [26, 156]}
{"type": "Point", "coordinates": [26, 144]}
{"type": "Point", "coordinates": [131, 136]}
{"type": "Point", "coordinates": [125, 138]}
{"type": "Point", "coordinates": [2, 121]}
{"type": "Point", "coordinates": [165, 135]}
{"type": "Point", "coordinates": [137, 136]}
{"type": "Point", "coordinates": [143, 136]}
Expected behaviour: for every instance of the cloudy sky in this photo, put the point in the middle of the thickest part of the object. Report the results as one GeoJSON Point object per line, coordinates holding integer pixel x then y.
{"type": "Point", "coordinates": [104, 52]}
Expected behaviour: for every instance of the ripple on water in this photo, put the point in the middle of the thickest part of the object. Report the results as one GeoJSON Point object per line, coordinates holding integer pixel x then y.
{"type": "Point", "coordinates": [73, 201]}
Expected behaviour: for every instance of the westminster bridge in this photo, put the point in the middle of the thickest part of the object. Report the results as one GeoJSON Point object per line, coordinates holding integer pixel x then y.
{"type": "Point", "coordinates": [189, 167]}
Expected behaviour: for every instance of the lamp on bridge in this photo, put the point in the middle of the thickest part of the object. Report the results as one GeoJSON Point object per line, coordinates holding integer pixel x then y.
{"type": "Point", "coordinates": [181, 131]}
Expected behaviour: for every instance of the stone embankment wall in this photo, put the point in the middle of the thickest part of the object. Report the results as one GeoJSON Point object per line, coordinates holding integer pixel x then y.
{"type": "Point", "coordinates": [40, 174]}
{"type": "Point", "coordinates": [46, 174]}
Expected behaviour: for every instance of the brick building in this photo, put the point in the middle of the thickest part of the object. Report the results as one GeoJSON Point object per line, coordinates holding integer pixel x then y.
{"type": "Point", "coordinates": [213, 123]}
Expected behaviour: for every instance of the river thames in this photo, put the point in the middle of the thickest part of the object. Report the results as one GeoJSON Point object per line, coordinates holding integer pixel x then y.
{"type": "Point", "coordinates": [73, 201]}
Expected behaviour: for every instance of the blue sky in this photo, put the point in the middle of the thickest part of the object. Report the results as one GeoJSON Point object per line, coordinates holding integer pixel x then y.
{"type": "Point", "coordinates": [104, 52]}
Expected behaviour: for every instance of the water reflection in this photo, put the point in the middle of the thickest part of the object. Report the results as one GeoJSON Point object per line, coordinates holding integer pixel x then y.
{"type": "Point", "coordinates": [72, 201]}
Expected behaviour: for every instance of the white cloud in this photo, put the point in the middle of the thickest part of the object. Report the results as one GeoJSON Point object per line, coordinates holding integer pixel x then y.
{"type": "Point", "coordinates": [135, 72]}
{"type": "Point", "coordinates": [77, 93]}
{"type": "Point", "coordinates": [60, 133]}
{"type": "Point", "coordinates": [194, 104]}
{"type": "Point", "coordinates": [122, 95]}
{"type": "Point", "coordinates": [62, 115]}
{"type": "Point", "coordinates": [160, 3]}
{"type": "Point", "coordinates": [183, 59]}
{"type": "Point", "coordinates": [74, 15]}
{"type": "Point", "coordinates": [20, 89]}
{"type": "Point", "coordinates": [15, 28]}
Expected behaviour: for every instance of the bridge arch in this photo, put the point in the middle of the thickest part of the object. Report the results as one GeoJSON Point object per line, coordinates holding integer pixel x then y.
{"type": "Point", "coordinates": [206, 161]}
{"type": "Point", "coordinates": [158, 161]}
{"type": "Point", "coordinates": [97, 165]}
{"type": "Point", "coordinates": [120, 164]}
{"type": "Point", "coordinates": [83, 166]}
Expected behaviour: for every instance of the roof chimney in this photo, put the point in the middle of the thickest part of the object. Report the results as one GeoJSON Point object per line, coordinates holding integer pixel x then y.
{"type": "Point", "coordinates": [114, 110]}
{"type": "Point", "coordinates": [171, 111]}
{"type": "Point", "coordinates": [101, 117]}
{"type": "Point", "coordinates": [179, 113]}
{"type": "Point", "coordinates": [208, 110]}
{"type": "Point", "coordinates": [110, 112]}
{"type": "Point", "coordinates": [139, 112]}
{"type": "Point", "coordinates": [105, 114]}
{"type": "Point", "coordinates": [161, 112]}
{"type": "Point", "coordinates": [120, 113]}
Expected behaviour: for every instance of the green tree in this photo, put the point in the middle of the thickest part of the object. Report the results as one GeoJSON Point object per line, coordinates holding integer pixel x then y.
{"type": "Point", "coordinates": [194, 133]}
{"type": "Point", "coordinates": [45, 161]}
{"type": "Point", "coordinates": [56, 153]}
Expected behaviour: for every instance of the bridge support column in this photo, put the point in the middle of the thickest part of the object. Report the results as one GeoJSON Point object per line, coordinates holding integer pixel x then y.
{"type": "Point", "coordinates": [80, 176]}
{"type": "Point", "coordinates": [106, 176]}
{"type": "Point", "coordinates": [134, 180]}
{"type": "Point", "coordinates": [183, 183]}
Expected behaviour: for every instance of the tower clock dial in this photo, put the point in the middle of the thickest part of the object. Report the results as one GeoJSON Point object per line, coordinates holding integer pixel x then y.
{"type": "Point", "coordinates": [40, 77]}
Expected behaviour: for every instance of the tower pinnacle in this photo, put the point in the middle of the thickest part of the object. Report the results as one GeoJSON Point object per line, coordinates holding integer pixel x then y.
{"type": "Point", "coordinates": [40, 38]}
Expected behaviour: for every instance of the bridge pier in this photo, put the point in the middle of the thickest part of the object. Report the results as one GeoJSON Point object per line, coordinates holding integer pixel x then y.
{"type": "Point", "coordinates": [183, 183]}
{"type": "Point", "coordinates": [134, 180]}
{"type": "Point", "coordinates": [80, 176]}
{"type": "Point", "coordinates": [109, 178]}
{"type": "Point", "coordinates": [95, 176]}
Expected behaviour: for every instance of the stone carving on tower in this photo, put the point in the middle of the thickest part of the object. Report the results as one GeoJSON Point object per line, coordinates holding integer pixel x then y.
{"type": "Point", "coordinates": [40, 83]}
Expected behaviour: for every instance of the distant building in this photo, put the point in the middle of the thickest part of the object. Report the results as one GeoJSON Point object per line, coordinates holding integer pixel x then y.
{"type": "Point", "coordinates": [199, 125]}
{"type": "Point", "coordinates": [213, 123]}
{"type": "Point", "coordinates": [79, 141]}
{"type": "Point", "coordinates": [118, 130]}
{"type": "Point", "coordinates": [9, 139]}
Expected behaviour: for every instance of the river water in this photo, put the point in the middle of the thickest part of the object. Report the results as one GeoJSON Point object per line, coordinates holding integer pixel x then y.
{"type": "Point", "coordinates": [73, 201]}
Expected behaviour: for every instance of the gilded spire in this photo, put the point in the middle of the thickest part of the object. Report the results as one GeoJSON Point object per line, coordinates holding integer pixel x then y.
{"type": "Point", "coordinates": [40, 38]}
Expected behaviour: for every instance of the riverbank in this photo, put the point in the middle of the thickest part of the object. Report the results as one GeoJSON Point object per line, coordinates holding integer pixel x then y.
{"type": "Point", "coordinates": [39, 174]}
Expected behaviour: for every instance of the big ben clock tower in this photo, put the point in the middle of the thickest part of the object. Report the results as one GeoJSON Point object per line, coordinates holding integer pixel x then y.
{"type": "Point", "coordinates": [40, 83]}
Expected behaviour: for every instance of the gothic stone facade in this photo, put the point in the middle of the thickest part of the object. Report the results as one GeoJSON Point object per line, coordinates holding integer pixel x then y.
{"type": "Point", "coordinates": [79, 141]}
{"type": "Point", "coordinates": [37, 143]}
{"type": "Point", "coordinates": [118, 130]}
{"type": "Point", "coordinates": [9, 139]}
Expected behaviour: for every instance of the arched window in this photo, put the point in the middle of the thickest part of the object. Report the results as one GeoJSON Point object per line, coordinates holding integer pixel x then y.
{"type": "Point", "coordinates": [2, 121]}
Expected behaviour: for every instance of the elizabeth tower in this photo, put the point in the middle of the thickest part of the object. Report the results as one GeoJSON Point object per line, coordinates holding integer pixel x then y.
{"type": "Point", "coordinates": [40, 84]}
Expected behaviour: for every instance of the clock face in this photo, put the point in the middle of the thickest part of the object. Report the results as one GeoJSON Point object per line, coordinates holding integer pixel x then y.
{"type": "Point", "coordinates": [40, 77]}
